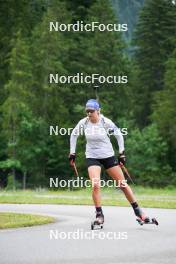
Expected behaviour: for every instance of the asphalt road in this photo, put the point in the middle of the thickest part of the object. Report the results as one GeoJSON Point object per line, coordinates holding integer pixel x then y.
{"type": "Point", "coordinates": [70, 241]}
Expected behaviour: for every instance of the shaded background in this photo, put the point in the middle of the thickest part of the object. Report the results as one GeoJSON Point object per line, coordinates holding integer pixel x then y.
{"type": "Point", "coordinates": [29, 104]}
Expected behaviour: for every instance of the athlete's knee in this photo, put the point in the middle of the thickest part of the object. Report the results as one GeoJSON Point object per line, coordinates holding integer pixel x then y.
{"type": "Point", "coordinates": [123, 185]}
{"type": "Point", "coordinates": [95, 184]}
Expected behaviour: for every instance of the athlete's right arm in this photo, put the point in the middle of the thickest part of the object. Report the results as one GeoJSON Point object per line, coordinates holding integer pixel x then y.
{"type": "Point", "coordinates": [78, 130]}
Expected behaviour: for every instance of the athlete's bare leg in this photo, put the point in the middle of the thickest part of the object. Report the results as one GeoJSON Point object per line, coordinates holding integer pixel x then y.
{"type": "Point", "coordinates": [117, 174]}
{"type": "Point", "coordinates": [94, 175]}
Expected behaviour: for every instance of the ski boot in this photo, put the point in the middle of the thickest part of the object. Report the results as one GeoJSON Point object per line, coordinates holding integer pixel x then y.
{"type": "Point", "coordinates": [143, 219]}
{"type": "Point", "coordinates": [98, 223]}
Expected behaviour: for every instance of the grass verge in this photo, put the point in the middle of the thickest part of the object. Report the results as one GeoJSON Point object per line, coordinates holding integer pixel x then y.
{"type": "Point", "coordinates": [147, 197]}
{"type": "Point", "coordinates": [13, 220]}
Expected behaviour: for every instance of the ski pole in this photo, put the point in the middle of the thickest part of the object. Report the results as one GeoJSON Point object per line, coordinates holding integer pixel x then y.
{"type": "Point", "coordinates": [126, 172]}
{"type": "Point", "coordinates": [75, 169]}
{"type": "Point", "coordinates": [96, 92]}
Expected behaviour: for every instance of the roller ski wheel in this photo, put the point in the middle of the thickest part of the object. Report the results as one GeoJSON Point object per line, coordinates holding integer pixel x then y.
{"type": "Point", "coordinates": [147, 221]}
{"type": "Point", "coordinates": [98, 223]}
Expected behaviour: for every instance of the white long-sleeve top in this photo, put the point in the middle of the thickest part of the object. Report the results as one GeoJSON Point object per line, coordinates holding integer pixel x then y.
{"type": "Point", "coordinates": [97, 136]}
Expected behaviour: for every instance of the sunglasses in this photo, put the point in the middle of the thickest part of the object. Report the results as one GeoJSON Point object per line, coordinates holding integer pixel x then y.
{"type": "Point", "coordinates": [90, 111]}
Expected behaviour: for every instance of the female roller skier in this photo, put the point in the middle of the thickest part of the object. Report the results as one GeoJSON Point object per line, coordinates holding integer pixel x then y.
{"type": "Point", "coordinates": [99, 151]}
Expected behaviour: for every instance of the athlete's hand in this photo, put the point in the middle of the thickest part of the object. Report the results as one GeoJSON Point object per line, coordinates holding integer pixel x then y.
{"type": "Point", "coordinates": [72, 158]}
{"type": "Point", "coordinates": [122, 158]}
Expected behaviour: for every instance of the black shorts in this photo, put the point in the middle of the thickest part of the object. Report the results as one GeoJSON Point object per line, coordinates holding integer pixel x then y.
{"type": "Point", "coordinates": [107, 163]}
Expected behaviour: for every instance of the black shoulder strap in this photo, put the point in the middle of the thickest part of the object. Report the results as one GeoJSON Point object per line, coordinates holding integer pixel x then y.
{"type": "Point", "coordinates": [103, 123]}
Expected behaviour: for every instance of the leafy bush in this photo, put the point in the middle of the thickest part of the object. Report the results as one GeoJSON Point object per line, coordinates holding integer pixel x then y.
{"type": "Point", "coordinates": [147, 157]}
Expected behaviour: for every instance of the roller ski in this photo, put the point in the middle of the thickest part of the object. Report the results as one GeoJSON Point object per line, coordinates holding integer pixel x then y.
{"type": "Point", "coordinates": [99, 221]}
{"type": "Point", "coordinates": [143, 219]}
{"type": "Point", "coordinates": [149, 221]}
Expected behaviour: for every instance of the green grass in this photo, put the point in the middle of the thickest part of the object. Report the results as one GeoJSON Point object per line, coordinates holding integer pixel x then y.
{"type": "Point", "coordinates": [13, 220]}
{"type": "Point", "coordinates": [147, 197]}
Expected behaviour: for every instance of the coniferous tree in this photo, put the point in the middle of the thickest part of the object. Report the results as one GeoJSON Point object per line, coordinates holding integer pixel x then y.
{"type": "Point", "coordinates": [16, 102]}
{"type": "Point", "coordinates": [155, 43]}
{"type": "Point", "coordinates": [49, 53]}
{"type": "Point", "coordinates": [15, 16]}
{"type": "Point", "coordinates": [164, 110]}
{"type": "Point", "coordinates": [102, 53]}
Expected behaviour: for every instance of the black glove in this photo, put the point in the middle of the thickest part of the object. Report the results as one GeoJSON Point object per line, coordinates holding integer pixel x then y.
{"type": "Point", "coordinates": [122, 158]}
{"type": "Point", "coordinates": [72, 158]}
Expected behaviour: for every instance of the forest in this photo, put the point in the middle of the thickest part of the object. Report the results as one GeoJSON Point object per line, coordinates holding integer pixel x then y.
{"type": "Point", "coordinates": [30, 104]}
